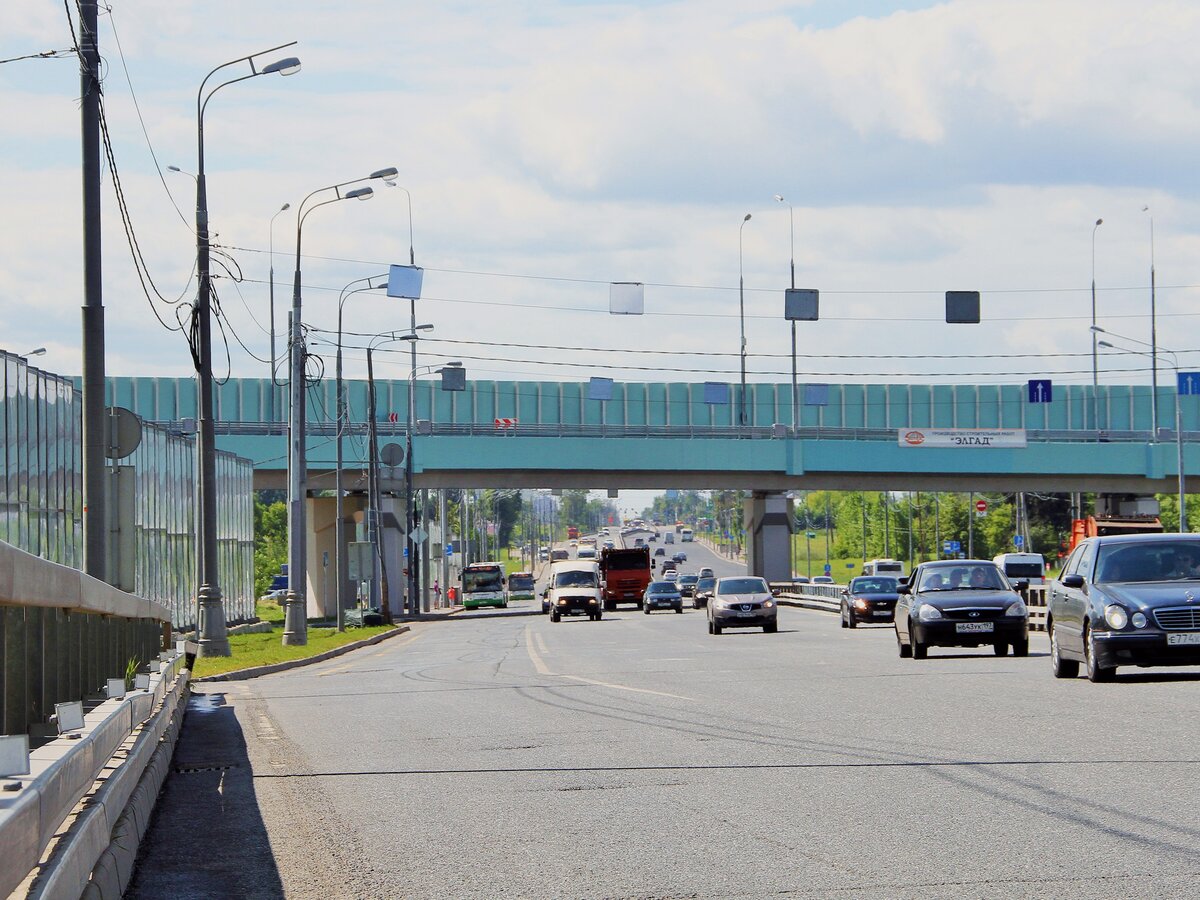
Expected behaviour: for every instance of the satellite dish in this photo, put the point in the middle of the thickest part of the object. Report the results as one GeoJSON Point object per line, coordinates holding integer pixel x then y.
{"type": "Point", "coordinates": [124, 432]}
{"type": "Point", "coordinates": [391, 454]}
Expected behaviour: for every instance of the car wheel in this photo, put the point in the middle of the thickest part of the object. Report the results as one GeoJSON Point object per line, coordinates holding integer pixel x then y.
{"type": "Point", "coordinates": [771, 629]}
{"type": "Point", "coordinates": [851, 622]}
{"type": "Point", "coordinates": [716, 628]}
{"type": "Point", "coordinates": [679, 609]}
{"type": "Point", "coordinates": [1063, 668]}
{"type": "Point", "coordinates": [599, 615]}
{"type": "Point", "coordinates": [646, 610]}
{"type": "Point", "coordinates": [710, 631]}
{"type": "Point", "coordinates": [1021, 648]}
{"type": "Point", "coordinates": [1000, 649]}
{"type": "Point", "coordinates": [905, 649]}
{"type": "Point", "coordinates": [555, 617]}
{"type": "Point", "coordinates": [844, 625]}
{"type": "Point", "coordinates": [919, 650]}
{"type": "Point", "coordinates": [1095, 673]}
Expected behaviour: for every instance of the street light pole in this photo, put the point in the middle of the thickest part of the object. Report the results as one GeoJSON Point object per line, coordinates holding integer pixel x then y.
{"type": "Point", "coordinates": [211, 634]}
{"type": "Point", "coordinates": [295, 620]}
{"type": "Point", "coordinates": [342, 424]}
{"type": "Point", "coordinates": [271, 255]}
{"type": "Point", "coordinates": [792, 263]}
{"type": "Point", "coordinates": [1153, 335]}
{"type": "Point", "coordinates": [1095, 352]}
{"type": "Point", "coordinates": [742, 321]}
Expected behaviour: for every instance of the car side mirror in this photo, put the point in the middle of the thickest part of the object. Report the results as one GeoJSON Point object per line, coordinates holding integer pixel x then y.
{"type": "Point", "coordinates": [903, 589]}
{"type": "Point", "coordinates": [1072, 581]}
{"type": "Point", "coordinates": [775, 592]}
{"type": "Point", "coordinates": [1021, 587]}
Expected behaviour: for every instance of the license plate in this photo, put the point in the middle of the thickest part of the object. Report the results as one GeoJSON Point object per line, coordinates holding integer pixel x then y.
{"type": "Point", "coordinates": [1174, 640]}
{"type": "Point", "coordinates": [883, 612]}
{"type": "Point", "coordinates": [746, 615]}
{"type": "Point", "coordinates": [973, 627]}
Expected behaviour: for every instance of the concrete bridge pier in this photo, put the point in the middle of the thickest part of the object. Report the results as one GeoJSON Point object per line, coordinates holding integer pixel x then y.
{"type": "Point", "coordinates": [767, 516]}
{"type": "Point", "coordinates": [323, 556]}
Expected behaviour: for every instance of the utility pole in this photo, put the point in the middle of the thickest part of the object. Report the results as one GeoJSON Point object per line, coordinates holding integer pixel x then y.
{"type": "Point", "coordinates": [95, 513]}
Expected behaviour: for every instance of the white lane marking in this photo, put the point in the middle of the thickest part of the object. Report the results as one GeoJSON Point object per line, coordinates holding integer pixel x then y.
{"type": "Point", "coordinates": [542, 669]}
{"type": "Point", "coordinates": [541, 642]}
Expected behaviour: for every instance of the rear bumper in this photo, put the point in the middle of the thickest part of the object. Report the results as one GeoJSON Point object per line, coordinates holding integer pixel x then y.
{"type": "Point", "coordinates": [946, 634]}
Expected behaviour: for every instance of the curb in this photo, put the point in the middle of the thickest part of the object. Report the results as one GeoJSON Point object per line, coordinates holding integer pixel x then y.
{"type": "Point", "coordinates": [256, 671]}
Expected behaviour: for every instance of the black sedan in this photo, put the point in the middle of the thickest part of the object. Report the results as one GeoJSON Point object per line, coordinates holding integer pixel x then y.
{"type": "Point", "coordinates": [703, 591]}
{"type": "Point", "coordinates": [1131, 600]}
{"type": "Point", "coordinates": [960, 603]}
{"type": "Point", "coordinates": [662, 595]}
{"type": "Point", "coordinates": [869, 598]}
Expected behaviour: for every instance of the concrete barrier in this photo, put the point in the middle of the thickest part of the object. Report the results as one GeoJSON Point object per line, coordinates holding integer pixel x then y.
{"type": "Point", "coordinates": [62, 772]}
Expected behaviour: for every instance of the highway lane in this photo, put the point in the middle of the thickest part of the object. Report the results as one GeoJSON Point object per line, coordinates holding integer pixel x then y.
{"type": "Point", "coordinates": [641, 757]}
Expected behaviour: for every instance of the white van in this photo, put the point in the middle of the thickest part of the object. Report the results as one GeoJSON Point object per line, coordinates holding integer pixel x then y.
{"type": "Point", "coordinates": [685, 535]}
{"type": "Point", "coordinates": [1029, 567]}
{"type": "Point", "coordinates": [574, 590]}
{"type": "Point", "coordinates": [891, 567]}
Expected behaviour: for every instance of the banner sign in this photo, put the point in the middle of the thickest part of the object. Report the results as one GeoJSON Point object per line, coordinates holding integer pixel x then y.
{"type": "Point", "coordinates": [961, 437]}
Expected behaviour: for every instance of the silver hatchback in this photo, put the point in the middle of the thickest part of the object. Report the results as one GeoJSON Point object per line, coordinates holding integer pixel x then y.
{"type": "Point", "coordinates": [742, 601]}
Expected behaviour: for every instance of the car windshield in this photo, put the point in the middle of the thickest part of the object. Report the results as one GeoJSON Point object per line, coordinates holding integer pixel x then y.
{"type": "Point", "coordinates": [663, 587]}
{"type": "Point", "coordinates": [689, 579]}
{"type": "Point", "coordinates": [483, 580]}
{"type": "Point", "coordinates": [520, 583]}
{"type": "Point", "coordinates": [1149, 561]}
{"type": "Point", "coordinates": [705, 584]}
{"type": "Point", "coordinates": [976, 577]}
{"type": "Point", "coordinates": [742, 586]}
{"type": "Point", "coordinates": [576, 578]}
{"type": "Point", "coordinates": [869, 585]}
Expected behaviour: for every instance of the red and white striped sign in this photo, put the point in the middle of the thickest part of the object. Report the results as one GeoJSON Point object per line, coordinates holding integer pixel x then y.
{"type": "Point", "coordinates": [502, 424]}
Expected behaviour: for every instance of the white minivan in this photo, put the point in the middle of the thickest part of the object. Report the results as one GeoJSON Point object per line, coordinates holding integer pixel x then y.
{"type": "Point", "coordinates": [574, 590]}
{"type": "Point", "coordinates": [891, 567]}
{"type": "Point", "coordinates": [1030, 567]}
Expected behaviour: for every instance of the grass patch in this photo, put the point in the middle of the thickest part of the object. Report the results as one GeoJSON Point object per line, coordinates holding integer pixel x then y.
{"type": "Point", "coordinates": [250, 650]}
{"type": "Point", "coordinates": [269, 611]}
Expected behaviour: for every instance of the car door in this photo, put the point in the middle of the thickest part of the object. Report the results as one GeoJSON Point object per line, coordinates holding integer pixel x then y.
{"type": "Point", "coordinates": [1071, 603]}
{"type": "Point", "coordinates": [904, 606]}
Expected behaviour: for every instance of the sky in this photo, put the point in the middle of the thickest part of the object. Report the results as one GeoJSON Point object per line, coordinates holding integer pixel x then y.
{"type": "Point", "coordinates": [550, 149]}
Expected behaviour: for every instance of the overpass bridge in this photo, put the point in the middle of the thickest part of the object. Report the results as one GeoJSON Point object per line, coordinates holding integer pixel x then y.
{"type": "Point", "coordinates": [649, 435]}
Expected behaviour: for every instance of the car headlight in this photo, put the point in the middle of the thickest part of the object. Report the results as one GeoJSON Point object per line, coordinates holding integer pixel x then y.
{"type": "Point", "coordinates": [929, 613]}
{"type": "Point", "coordinates": [860, 603]}
{"type": "Point", "coordinates": [1016, 609]}
{"type": "Point", "coordinates": [562, 601]}
{"type": "Point", "coordinates": [1139, 620]}
{"type": "Point", "coordinates": [1116, 617]}
{"type": "Point", "coordinates": [767, 604]}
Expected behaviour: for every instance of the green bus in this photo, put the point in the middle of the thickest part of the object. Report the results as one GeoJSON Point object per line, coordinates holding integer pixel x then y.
{"type": "Point", "coordinates": [483, 585]}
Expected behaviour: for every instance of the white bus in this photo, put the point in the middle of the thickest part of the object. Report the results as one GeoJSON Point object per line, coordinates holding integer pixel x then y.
{"type": "Point", "coordinates": [685, 535]}
{"type": "Point", "coordinates": [890, 567]}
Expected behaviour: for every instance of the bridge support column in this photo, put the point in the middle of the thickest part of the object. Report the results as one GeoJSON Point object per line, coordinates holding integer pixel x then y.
{"type": "Point", "coordinates": [769, 523]}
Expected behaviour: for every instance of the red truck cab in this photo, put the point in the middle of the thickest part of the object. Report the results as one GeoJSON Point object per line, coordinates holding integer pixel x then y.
{"type": "Point", "coordinates": [624, 574]}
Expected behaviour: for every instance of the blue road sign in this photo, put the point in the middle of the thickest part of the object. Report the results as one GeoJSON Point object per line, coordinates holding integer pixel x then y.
{"type": "Point", "coordinates": [828, 568]}
{"type": "Point", "coordinates": [1041, 390]}
{"type": "Point", "coordinates": [1189, 383]}
{"type": "Point", "coordinates": [1018, 541]}
{"type": "Point", "coordinates": [449, 549]}
{"type": "Point", "coordinates": [955, 546]}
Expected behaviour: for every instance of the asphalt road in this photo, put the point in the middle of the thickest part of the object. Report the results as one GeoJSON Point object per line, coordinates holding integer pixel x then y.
{"type": "Point", "coordinates": [638, 756]}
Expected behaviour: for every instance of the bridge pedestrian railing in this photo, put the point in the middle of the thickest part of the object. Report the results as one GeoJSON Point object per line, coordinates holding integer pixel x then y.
{"type": "Point", "coordinates": [725, 432]}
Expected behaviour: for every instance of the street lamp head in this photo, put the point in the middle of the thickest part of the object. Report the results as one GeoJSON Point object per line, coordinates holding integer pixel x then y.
{"type": "Point", "coordinates": [425, 327]}
{"type": "Point", "coordinates": [287, 66]}
{"type": "Point", "coordinates": [362, 193]}
{"type": "Point", "coordinates": [454, 364]}
{"type": "Point", "coordinates": [1099, 222]}
{"type": "Point", "coordinates": [38, 352]}
{"type": "Point", "coordinates": [747, 219]}
{"type": "Point", "coordinates": [285, 207]}
{"type": "Point", "coordinates": [779, 197]}
{"type": "Point", "coordinates": [1097, 329]}
{"type": "Point", "coordinates": [389, 174]}
{"type": "Point", "coordinates": [174, 169]}
{"type": "Point", "coordinates": [1106, 344]}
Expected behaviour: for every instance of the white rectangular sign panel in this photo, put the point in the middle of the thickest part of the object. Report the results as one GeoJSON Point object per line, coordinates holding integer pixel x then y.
{"type": "Point", "coordinates": [961, 437]}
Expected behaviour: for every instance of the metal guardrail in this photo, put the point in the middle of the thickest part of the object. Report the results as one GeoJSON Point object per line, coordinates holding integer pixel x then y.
{"type": "Point", "coordinates": [726, 432]}
{"type": "Point", "coordinates": [63, 634]}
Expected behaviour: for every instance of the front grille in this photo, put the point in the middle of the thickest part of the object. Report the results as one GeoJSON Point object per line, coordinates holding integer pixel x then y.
{"type": "Point", "coordinates": [1178, 618]}
{"type": "Point", "coordinates": [973, 614]}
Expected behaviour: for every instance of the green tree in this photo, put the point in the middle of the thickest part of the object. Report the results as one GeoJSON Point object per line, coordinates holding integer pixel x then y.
{"type": "Point", "coordinates": [270, 541]}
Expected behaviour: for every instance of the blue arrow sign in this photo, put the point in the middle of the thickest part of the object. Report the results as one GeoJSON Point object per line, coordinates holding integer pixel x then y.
{"type": "Point", "coordinates": [828, 568]}
{"type": "Point", "coordinates": [1018, 541]}
{"type": "Point", "coordinates": [1041, 390]}
{"type": "Point", "coordinates": [1189, 383]}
